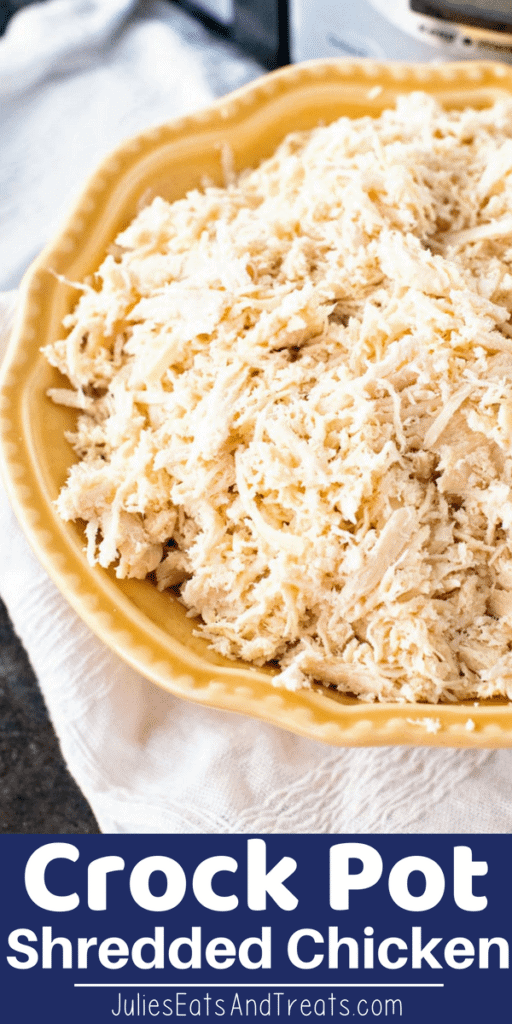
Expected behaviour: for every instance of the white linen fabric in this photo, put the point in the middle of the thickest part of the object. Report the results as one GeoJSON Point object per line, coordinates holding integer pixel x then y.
{"type": "Point", "coordinates": [75, 77]}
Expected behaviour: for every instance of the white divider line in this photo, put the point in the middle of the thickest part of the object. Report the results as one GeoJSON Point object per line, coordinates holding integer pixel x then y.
{"type": "Point", "coordinates": [260, 984]}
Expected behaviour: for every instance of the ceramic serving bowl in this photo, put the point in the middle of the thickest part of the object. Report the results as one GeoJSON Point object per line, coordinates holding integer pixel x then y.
{"type": "Point", "coordinates": [150, 630]}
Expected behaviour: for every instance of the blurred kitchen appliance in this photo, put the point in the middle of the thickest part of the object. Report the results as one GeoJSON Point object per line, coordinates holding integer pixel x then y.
{"type": "Point", "coordinates": [258, 26]}
{"type": "Point", "coordinates": [8, 8]}
{"type": "Point", "coordinates": [401, 29]}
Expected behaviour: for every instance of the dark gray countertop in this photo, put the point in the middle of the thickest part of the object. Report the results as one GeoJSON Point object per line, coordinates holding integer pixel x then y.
{"type": "Point", "coordinates": [37, 793]}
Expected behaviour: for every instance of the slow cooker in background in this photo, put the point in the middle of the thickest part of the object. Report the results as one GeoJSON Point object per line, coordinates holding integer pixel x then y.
{"type": "Point", "coordinates": [423, 30]}
{"type": "Point", "coordinates": [259, 26]}
{"type": "Point", "coordinates": [401, 29]}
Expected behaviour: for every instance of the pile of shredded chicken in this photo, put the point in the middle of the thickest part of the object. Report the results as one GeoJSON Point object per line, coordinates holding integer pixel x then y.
{"type": "Point", "coordinates": [295, 399]}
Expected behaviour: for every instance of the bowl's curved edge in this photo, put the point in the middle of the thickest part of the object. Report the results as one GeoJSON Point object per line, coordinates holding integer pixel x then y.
{"type": "Point", "coordinates": [308, 713]}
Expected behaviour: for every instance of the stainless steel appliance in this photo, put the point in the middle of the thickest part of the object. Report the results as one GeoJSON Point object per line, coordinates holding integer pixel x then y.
{"type": "Point", "coordinates": [401, 29]}
{"type": "Point", "coordinates": [258, 26]}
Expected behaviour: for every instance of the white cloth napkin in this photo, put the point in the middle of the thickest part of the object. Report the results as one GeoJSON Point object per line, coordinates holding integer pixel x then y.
{"type": "Point", "coordinates": [75, 77]}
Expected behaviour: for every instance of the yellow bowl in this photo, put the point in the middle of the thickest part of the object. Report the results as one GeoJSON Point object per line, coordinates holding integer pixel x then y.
{"type": "Point", "coordinates": [147, 629]}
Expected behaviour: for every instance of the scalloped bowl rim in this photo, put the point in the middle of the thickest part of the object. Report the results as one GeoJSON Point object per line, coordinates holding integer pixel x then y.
{"type": "Point", "coordinates": [127, 615]}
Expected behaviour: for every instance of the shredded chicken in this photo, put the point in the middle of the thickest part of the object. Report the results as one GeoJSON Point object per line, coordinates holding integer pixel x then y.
{"type": "Point", "coordinates": [294, 403]}
{"type": "Point", "coordinates": [429, 724]}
